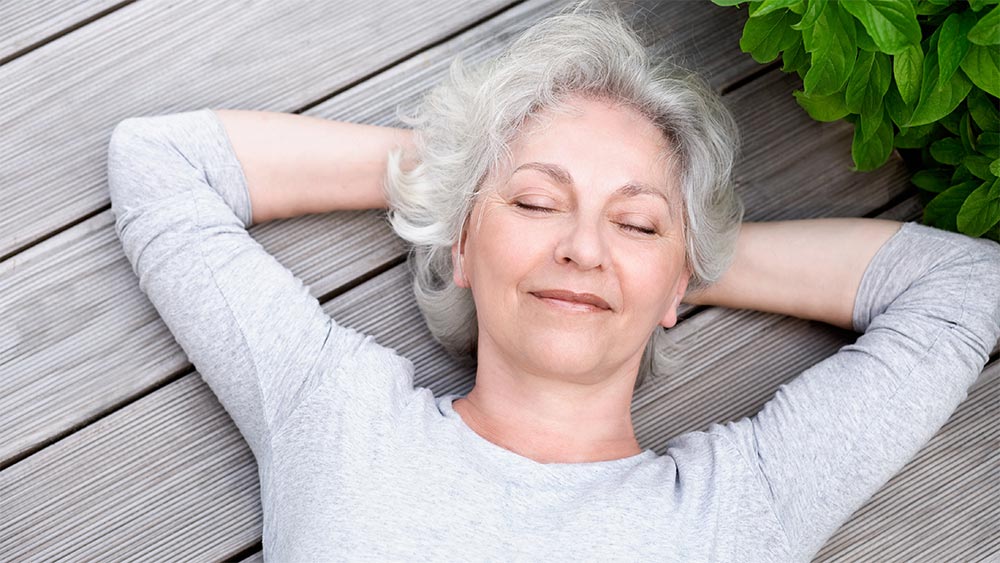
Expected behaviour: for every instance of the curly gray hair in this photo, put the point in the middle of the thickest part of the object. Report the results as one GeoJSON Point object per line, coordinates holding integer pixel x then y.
{"type": "Point", "coordinates": [465, 125]}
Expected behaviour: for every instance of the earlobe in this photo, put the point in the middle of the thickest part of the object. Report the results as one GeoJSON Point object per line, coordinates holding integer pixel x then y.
{"type": "Point", "coordinates": [458, 275]}
{"type": "Point", "coordinates": [458, 258]}
{"type": "Point", "coordinates": [670, 319]}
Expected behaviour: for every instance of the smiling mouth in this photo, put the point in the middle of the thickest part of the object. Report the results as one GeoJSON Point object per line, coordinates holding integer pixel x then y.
{"type": "Point", "coordinates": [570, 306]}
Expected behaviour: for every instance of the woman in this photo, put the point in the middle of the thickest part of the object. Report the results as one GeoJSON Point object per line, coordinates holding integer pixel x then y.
{"type": "Point", "coordinates": [562, 202]}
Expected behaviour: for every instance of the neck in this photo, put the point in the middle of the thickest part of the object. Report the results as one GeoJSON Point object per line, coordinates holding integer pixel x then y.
{"type": "Point", "coordinates": [551, 420]}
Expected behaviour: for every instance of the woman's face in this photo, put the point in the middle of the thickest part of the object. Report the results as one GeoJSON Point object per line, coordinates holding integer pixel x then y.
{"type": "Point", "coordinates": [589, 209]}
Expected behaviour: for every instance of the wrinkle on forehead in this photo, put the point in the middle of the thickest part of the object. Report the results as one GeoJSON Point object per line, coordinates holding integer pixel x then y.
{"type": "Point", "coordinates": [667, 158]}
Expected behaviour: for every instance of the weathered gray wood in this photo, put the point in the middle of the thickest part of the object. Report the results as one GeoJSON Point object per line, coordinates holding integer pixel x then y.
{"type": "Point", "coordinates": [23, 24]}
{"type": "Point", "coordinates": [255, 558]}
{"type": "Point", "coordinates": [146, 465]}
{"type": "Point", "coordinates": [61, 102]}
{"type": "Point", "coordinates": [85, 339]}
{"type": "Point", "coordinates": [173, 461]}
{"type": "Point", "coordinates": [269, 56]}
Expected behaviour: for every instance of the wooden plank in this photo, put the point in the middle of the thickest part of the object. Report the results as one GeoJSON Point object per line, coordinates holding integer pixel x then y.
{"type": "Point", "coordinates": [174, 462]}
{"type": "Point", "coordinates": [24, 25]}
{"type": "Point", "coordinates": [162, 57]}
{"type": "Point", "coordinates": [94, 341]}
{"type": "Point", "coordinates": [179, 467]}
{"type": "Point", "coordinates": [220, 63]}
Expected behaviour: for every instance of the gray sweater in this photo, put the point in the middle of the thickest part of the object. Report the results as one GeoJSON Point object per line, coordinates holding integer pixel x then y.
{"type": "Point", "coordinates": [357, 464]}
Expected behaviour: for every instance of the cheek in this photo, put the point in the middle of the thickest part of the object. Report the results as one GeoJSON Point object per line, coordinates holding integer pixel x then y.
{"type": "Point", "coordinates": [646, 278]}
{"type": "Point", "coordinates": [508, 247]}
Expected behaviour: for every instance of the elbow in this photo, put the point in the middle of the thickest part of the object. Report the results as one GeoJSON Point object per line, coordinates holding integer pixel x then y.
{"type": "Point", "coordinates": [982, 299]}
{"type": "Point", "coordinates": [122, 162]}
{"type": "Point", "coordinates": [138, 153]}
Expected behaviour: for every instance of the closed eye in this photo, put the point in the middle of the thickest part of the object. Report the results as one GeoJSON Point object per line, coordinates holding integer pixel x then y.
{"type": "Point", "coordinates": [533, 207]}
{"type": "Point", "coordinates": [626, 226]}
{"type": "Point", "coordinates": [633, 228]}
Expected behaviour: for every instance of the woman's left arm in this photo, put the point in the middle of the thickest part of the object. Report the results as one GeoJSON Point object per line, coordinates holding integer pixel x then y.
{"type": "Point", "coordinates": [928, 303]}
{"type": "Point", "coordinates": [808, 268]}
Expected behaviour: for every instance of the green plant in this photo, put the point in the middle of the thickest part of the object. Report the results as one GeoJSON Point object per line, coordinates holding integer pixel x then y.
{"type": "Point", "coordinates": [921, 76]}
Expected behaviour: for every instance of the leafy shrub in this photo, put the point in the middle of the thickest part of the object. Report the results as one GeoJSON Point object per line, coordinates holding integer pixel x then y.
{"type": "Point", "coordinates": [922, 76]}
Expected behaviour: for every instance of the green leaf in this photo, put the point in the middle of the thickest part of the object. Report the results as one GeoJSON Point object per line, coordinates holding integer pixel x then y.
{"type": "Point", "coordinates": [980, 4]}
{"type": "Point", "coordinates": [940, 212]}
{"type": "Point", "coordinates": [982, 64]}
{"type": "Point", "coordinates": [865, 42]}
{"type": "Point", "coordinates": [832, 45]}
{"type": "Point", "coordinates": [768, 6]}
{"type": "Point", "coordinates": [868, 83]}
{"type": "Point", "coordinates": [729, 2]}
{"type": "Point", "coordinates": [965, 133]}
{"type": "Point", "coordinates": [952, 44]}
{"type": "Point", "coordinates": [987, 31]}
{"type": "Point", "coordinates": [928, 9]}
{"type": "Point", "coordinates": [981, 209]}
{"type": "Point", "coordinates": [984, 112]}
{"type": "Point", "coordinates": [890, 23]}
{"type": "Point", "coordinates": [813, 10]}
{"type": "Point", "coordinates": [979, 166]}
{"type": "Point", "coordinates": [948, 151]}
{"type": "Point", "coordinates": [765, 36]}
{"type": "Point", "coordinates": [857, 84]}
{"type": "Point", "coordinates": [938, 99]}
{"type": "Point", "coordinates": [913, 137]}
{"type": "Point", "coordinates": [795, 57]}
{"type": "Point", "coordinates": [934, 180]}
{"type": "Point", "coordinates": [962, 174]}
{"type": "Point", "coordinates": [870, 123]}
{"type": "Point", "coordinates": [907, 67]}
{"type": "Point", "coordinates": [899, 111]}
{"type": "Point", "coordinates": [822, 108]}
{"type": "Point", "coordinates": [989, 144]}
{"type": "Point", "coordinates": [988, 138]}
{"type": "Point", "coordinates": [952, 121]}
{"type": "Point", "coordinates": [870, 154]}
{"type": "Point", "coordinates": [995, 167]}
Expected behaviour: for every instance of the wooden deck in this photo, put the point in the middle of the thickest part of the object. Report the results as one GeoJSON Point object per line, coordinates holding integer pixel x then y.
{"type": "Point", "coordinates": [111, 446]}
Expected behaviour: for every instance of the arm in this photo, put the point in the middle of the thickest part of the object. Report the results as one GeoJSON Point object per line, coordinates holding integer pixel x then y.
{"type": "Point", "coordinates": [928, 304]}
{"type": "Point", "coordinates": [296, 164]}
{"type": "Point", "coordinates": [808, 269]}
{"type": "Point", "coordinates": [256, 335]}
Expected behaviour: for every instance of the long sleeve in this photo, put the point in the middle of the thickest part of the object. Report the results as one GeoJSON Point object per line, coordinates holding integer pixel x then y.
{"type": "Point", "coordinates": [929, 308]}
{"type": "Point", "coordinates": [256, 335]}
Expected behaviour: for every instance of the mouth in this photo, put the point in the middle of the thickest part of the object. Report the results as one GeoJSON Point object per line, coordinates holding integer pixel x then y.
{"type": "Point", "coordinates": [570, 301]}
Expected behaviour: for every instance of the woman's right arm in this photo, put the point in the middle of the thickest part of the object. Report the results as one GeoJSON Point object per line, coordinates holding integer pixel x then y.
{"type": "Point", "coordinates": [254, 331]}
{"type": "Point", "coordinates": [296, 164]}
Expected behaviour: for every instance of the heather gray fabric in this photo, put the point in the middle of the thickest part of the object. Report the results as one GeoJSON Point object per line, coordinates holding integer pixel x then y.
{"type": "Point", "coordinates": [356, 464]}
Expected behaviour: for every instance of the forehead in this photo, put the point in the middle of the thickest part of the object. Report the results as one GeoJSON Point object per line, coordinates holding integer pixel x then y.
{"type": "Point", "coordinates": [593, 139]}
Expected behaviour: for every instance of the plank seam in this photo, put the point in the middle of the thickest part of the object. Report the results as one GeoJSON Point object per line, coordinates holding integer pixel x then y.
{"type": "Point", "coordinates": [63, 32]}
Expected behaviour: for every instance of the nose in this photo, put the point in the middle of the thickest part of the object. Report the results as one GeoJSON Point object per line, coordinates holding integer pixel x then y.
{"type": "Point", "coordinates": [582, 244]}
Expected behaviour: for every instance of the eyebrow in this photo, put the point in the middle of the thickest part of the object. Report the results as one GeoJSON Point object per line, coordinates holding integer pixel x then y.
{"type": "Point", "coordinates": [562, 176]}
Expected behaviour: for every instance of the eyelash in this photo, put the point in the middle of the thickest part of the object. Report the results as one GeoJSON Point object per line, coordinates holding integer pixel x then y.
{"type": "Point", "coordinates": [626, 226]}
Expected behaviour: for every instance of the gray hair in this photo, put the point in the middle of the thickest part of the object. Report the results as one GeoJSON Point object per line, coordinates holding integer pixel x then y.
{"type": "Point", "coordinates": [464, 127]}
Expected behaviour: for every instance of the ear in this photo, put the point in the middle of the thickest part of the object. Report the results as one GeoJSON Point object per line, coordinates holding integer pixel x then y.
{"type": "Point", "coordinates": [457, 261]}
{"type": "Point", "coordinates": [670, 318]}
{"type": "Point", "coordinates": [458, 276]}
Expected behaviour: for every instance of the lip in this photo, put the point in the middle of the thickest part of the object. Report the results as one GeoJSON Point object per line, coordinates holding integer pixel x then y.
{"type": "Point", "coordinates": [572, 300]}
